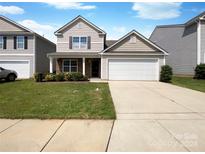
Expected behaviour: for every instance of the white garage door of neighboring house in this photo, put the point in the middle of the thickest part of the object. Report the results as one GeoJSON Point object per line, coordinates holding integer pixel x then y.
{"type": "Point", "coordinates": [133, 69]}
{"type": "Point", "coordinates": [21, 67]}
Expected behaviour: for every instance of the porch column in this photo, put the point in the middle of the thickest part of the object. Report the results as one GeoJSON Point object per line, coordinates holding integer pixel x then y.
{"type": "Point", "coordinates": [51, 65]}
{"type": "Point", "coordinates": [83, 65]}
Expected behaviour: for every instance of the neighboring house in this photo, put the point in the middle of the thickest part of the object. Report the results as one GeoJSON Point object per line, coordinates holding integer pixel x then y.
{"type": "Point", "coordinates": [82, 47]}
{"type": "Point", "coordinates": [23, 50]}
{"type": "Point", "coordinates": [185, 44]}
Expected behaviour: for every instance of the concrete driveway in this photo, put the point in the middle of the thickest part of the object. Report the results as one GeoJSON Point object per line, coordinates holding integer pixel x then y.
{"type": "Point", "coordinates": [155, 116]}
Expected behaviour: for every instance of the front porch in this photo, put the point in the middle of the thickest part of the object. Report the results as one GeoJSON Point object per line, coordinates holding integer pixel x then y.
{"type": "Point", "coordinates": [89, 65]}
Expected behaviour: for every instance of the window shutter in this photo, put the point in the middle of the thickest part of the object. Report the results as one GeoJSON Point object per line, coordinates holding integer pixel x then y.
{"type": "Point", "coordinates": [89, 42]}
{"type": "Point", "coordinates": [70, 42]}
{"type": "Point", "coordinates": [5, 42]}
{"type": "Point", "coordinates": [14, 42]}
{"type": "Point", "coordinates": [25, 42]}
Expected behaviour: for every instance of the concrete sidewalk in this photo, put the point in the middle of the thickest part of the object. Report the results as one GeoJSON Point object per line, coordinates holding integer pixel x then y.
{"type": "Point", "coordinates": [54, 135]}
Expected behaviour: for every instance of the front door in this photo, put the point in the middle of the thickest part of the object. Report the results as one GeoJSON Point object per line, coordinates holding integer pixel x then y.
{"type": "Point", "coordinates": [95, 68]}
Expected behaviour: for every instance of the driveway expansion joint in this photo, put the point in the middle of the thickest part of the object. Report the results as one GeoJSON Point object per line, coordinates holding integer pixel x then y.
{"type": "Point", "coordinates": [172, 135]}
{"type": "Point", "coordinates": [108, 142]}
{"type": "Point", "coordinates": [52, 135]}
{"type": "Point", "coordinates": [11, 126]}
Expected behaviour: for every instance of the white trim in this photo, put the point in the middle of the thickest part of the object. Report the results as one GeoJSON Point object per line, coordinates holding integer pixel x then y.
{"type": "Point", "coordinates": [74, 20]}
{"type": "Point", "coordinates": [29, 63]}
{"type": "Point", "coordinates": [74, 36]}
{"type": "Point", "coordinates": [157, 65]}
{"type": "Point", "coordinates": [15, 23]}
{"type": "Point", "coordinates": [79, 46]}
{"type": "Point", "coordinates": [204, 57]}
{"type": "Point", "coordinates": [164, 61]}
{"type": "Point", "coordinates": [129, 54]}
{"type": "Point", "coordinates": [51, 64]}
{"type": "Point", "coordinates": [34, 51]}
{"type": "Point", "coordinates": [2, 38]}
{"type": "Point", "coordinates": [83, 65]}
{"type": "Point", "coordinates": [17, 42]}
{"type": "Point", "coordinates": [16, 54]}
{"type": "Point", "coordinates": [76, 59]}
{"type": "Point", "coordinates": [199, 42]}
{"type": "Point", "coordinates": [141, 36]}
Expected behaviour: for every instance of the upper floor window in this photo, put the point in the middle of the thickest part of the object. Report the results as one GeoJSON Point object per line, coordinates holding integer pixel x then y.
{"type": "Point", "coordinates": [79, 42]}
{"type": "Point", "coordinates": [1, 42]}
{"type": "Point", "coordinates": [20, 42]}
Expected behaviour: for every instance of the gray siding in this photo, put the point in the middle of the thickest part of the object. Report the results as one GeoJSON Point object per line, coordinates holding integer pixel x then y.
{"type": "Point", "coordinates": [181, 44]}
{"type": "Point", "coordinates": [97, 41]}
{"type": "Point", "coordinates": [139, 45]}
{"type": "Point", "coordinates": [10, 46]}
{"type": "Point", "coordinates": [202, 42]}
{"type": "Point", "coordinates": [42, 48]}
{"type": "Point", "coordinates": [6, 26]}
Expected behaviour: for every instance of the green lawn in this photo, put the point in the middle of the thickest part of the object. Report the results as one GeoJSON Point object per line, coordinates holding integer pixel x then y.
{"type": "Point", "coordinates": [28, 99]}
{"type": "Point", "coordinates": [189, 82]}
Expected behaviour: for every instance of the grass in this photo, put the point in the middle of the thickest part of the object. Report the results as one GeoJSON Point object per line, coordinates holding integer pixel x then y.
{"type": "Point", "coordinates": [189, 82]}
{"type": "Point", "coordinates": [28, 99]}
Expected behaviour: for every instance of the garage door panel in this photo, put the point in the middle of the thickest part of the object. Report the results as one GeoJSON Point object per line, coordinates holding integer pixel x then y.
{"type": "Point", "coordinates": [21, 67]}
{"type": "Point", "coordinates": [133, 69]}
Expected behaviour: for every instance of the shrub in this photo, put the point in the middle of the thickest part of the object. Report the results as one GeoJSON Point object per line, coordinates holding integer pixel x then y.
{"type": "Point", "coordinates": [76, 76]}
{"type": "Point", "coordinates": [50, 77]}
{"type": "Point", "coordinates": [67, 76]}
{"type": "Point", "coordinates": [60, 77]}
{"type": "Point", "coordinates": [166, 73]}
{"type": "Point", "coordinates": [200, 71]}
{"type": "Point", "coordinates": [38, 77]}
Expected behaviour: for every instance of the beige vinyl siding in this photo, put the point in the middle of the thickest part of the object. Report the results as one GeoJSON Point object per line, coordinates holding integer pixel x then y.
{"type": "Point", "coordinates": [85, 30]}
{"type": "Point", "coordinates": [10, 46]}
{"type": "Point", "coordinates": [202, 42]}
{"type": "Point", "coordinates": [126, 45]}
{"type": "Point", "coordinates": [104, 62]}
{"type": "Point", "coordinates": [5, 26]}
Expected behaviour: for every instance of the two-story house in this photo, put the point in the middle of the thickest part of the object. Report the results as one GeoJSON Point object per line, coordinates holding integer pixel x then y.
{"type": "Point", "coordinates": [23, 50]}
{"type": "Point", "coordinates": [184, 42]}
{"type": "Point", "coordinates": [82, 47]}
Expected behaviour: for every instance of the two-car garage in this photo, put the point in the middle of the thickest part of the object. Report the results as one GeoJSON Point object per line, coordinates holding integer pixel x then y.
{"type": "Point", "coordinates": [133, 57]}
{"type": "Point", "coordinates": [133, 69]}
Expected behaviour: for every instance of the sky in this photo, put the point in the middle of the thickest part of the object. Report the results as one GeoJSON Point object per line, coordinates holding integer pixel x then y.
{"type": "Point", "coordinates": [115, 18]}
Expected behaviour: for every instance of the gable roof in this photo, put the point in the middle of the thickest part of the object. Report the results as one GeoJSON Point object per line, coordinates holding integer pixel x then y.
{"type": "Point", "coordinates": [189, 22]}
{"type": "Point", "coordinates": [76, 19]}
{"type": "Point", "coordinates": [16, 24]}
{"type": "Point", "coordinates": [139, 35]}
{"type": "Point", "coordinates": [196, 18]}
{"type": "Point", "coordinates": [109, 43]}
{"type": "Point", "coordinates": [23, 28]}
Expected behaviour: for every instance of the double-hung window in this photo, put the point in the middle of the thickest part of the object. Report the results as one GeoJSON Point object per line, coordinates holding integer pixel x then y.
{"type": "Point", "coordinates": [1, 42]}
{"type": "Point", "coordinates": [79, 42]}
{"type": "Point", "coordinates": [70, 65]}
{"type": "Point", "coordinates": [20, 42]}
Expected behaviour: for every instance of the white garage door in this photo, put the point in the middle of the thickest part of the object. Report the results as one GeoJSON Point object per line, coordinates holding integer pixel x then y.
{"type": "Point", "coordinates": [133, 69]}
{"type": "Point", "coordinates": [21, 67]}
